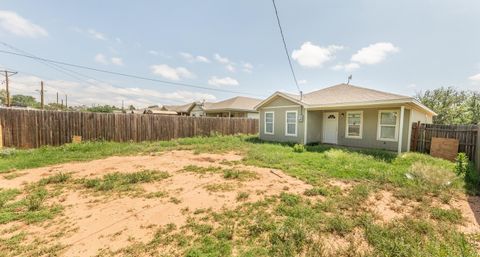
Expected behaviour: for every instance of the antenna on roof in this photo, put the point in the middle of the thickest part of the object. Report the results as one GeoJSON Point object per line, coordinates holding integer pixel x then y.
{"type": "Point", "coordinates": [349, 79]}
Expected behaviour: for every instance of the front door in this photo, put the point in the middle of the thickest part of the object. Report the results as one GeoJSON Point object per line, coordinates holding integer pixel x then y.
{"type": "Point", "coordinates": [330, 127]}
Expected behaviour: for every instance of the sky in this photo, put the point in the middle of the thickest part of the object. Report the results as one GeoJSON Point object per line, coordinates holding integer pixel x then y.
{"type": "Point", "coordinates": [401, 47]}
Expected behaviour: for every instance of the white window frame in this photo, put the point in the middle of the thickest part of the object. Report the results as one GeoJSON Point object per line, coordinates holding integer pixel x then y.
{"type": "Point", "coordinates": [286, 123]}
{"type": "Point", "coordinates": [360, 136]}
{"type": "Point", "coordinates": [265, 123]}
{"type": "Point", "coordinates": [397, 125]}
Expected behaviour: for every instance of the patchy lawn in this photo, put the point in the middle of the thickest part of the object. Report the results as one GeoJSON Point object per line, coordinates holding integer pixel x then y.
{"type": "Point", "coordinates": [233, 196]}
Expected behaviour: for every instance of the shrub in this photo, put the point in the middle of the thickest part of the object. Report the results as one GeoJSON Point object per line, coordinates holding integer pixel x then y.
{"type": "Point", "coordinates": [461, 163]}
{"type": "Point", "coordinates": [299, 148]}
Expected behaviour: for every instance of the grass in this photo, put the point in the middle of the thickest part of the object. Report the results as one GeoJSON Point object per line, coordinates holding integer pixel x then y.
{"type": "Point", "coordinates": [123, 181]}
{"type": "Point", "coordinates": [30, 209]}
{"type": "Point", "coordinates": [283, 225]}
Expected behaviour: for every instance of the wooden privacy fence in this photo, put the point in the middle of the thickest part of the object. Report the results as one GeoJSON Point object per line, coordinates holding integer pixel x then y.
{"type": "Point", "coordinates": [467, 136]}
{"type": "Point", "coordinates": [35, 128]}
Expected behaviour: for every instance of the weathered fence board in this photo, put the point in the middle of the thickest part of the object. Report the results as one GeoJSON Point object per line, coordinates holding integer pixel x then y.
{"type": "Point", "coordinates": [422, 135]}
{"type": "Point", "coordinates": [35, 128]}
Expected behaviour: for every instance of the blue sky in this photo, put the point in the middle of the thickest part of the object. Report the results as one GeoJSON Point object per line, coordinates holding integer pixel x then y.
{"type": "Point", "coordinates": [397, 46]}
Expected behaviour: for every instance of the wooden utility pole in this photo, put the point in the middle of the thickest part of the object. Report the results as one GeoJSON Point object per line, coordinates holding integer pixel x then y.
{"type": "Point", "coordinates": [57, 98]}
{"type": "Point", "coordinates": [66, 101]}
{"type": "Point", "coordinates": [7, 89]}
{"type": "Point", "coordinates": [42, 102]}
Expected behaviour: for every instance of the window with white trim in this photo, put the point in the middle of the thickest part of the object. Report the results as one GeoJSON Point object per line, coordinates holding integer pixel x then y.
{"type": "Point", "coordinates": [291, 123]}
{"type": "Point", "coordinates": [354, 124]}
{"type": "Point", "coordinates": [268, 122]}
{"type": "Point", "coordinates": [387, 125]}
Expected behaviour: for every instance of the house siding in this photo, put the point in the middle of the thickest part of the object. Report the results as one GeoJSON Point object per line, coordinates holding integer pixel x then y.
{"type": "Point", "coordinates": [279, 116]}
{"type": "Point", "coordinates": [369, 131]}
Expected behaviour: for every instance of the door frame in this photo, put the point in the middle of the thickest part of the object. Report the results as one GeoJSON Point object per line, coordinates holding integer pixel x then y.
{"type": "Point", "coordinates": [325, 124]}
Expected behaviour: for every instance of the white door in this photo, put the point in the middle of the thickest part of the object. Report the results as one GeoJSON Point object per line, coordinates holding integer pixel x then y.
{"type": "Point", "coordinates": [330, 127]}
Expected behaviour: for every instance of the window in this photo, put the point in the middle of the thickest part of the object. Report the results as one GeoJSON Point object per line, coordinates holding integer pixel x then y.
{"type": "Point", "coordinates": [268, 122]}
{"type": "Point", "coordinates": [354, 124]}
{"type": "Point", "coordinates": [291, 123]}
{"type": "Point", "coordinates": [387, 125]}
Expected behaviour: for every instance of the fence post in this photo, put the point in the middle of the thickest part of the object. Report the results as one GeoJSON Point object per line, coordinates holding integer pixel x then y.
{"type": "Point", "coordinates": [477, 150]}
{"type": "Point", "coordinates": [1, 136]}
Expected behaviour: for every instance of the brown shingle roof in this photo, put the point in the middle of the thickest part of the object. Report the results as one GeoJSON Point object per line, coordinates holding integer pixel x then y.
{"type": "Point", "coordinates": [179, 108]}
{"type": "Point", "coordinates": [344, 93]}
{"type": "Point", "coordinates": [239, 103]}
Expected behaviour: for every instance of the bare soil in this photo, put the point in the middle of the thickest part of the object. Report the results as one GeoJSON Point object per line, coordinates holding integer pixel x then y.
{"type": "Point", "coordinates": [94, 222]}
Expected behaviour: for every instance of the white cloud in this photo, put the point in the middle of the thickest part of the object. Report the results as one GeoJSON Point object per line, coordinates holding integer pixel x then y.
{"type": "Point", "coordinates": [190, 58]}
{"type": "Point", "coordinates": [475, 78]}
{"type": "Point", "coordinates": [171, 72]}
{"type": "Point", "coordinates": [347, 67]}
{"type": "Point", "coordinates": [97, 35]}
{"type": "Point", "coordinates": [311, 56]}
{"type": "Point", "coordinates": [100, 58]}
{"type": "Point", "coordinates": [19, 26]}
{"type": "Point", "coordinates": [374, 53]}
{"type": "Point", "coordinates": [412, 85]}
{"type": "Point", "coordinates": [220, 59]}
{"type": "Point", "coordinates": [117, 61]}
{"type": "Point", "coordinates": [230, 67]}
{"type": "Point", "coordinates": [227, 81]}
{"type": "Point", "coordinates": [247, 67]}
{"type": "Point", "coordinates": [302, 82]}
{"type": "Point", "coordinates": [97, 93]}
{"type": "Point", "coordinates": [153, 52]}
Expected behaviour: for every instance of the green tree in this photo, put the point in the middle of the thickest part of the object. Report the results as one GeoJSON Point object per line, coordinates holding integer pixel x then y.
{"type": "Point", "coordinates": [24, 101]}
{"type": "Point", "coordinates": [103, 108]}
{"type": "Point", "coordinates": [449, 103]}
{"type": "Point", "coordinates": [473, 107]}
{"type": "Point", "coordinates": [3, 96]}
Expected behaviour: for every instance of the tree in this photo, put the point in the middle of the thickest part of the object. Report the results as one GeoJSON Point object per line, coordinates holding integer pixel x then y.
{"type": "Point", "coordinates": [452, 106]}
{"type": "Point", "coordinates": [131, 107]}
{"type": "Point", "coordinates": [24, 101]}
{"type": "Point", "coordinates": [3, 96]}
{"type": "Point", "coordinates": [103, 108]}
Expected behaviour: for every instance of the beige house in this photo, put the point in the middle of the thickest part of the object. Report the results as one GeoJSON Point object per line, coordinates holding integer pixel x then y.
{"type": "Point", "coordinates": [183, 110]}
{"type": "Point", "coordinates": [342, 115]}
{"type": "Point", "coordinates": [238, 107]}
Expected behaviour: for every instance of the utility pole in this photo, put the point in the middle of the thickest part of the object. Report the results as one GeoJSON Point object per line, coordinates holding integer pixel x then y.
{"type": "Point", "coordinates": [62, 103]}
{"type": "Point", "coordinates": [7, 90]}
{"type": "Point", "coordinates": [42, 102]}
{"type": "Point", "coordinates": [57, 97]}
{"type": "Point", "coordinates": [123, 109]}
{"type": "Point", "coordinates": [66, 103]}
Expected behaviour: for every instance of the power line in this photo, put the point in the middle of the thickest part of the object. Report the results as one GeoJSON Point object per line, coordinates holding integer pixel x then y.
{"type": "Point", "coordinates": [128, 75]}
{"type": "Point", "coordinates": [285, 47]}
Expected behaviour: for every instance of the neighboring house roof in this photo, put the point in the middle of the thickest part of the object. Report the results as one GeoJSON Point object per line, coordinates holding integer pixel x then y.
{"type": "Point", "coordinates": [186, 108]}
{"type": "Point", "coordinates": [239, 103]}
{"type": "Point", "coordinates": [345, 95]}
{"type": "Point", "coordinates": [159, 111]}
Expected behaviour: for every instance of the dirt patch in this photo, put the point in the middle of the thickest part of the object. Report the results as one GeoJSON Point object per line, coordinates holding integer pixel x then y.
{"type": "Point", "coordinates": [387, 207]}
{"type": "Point", "coordinates": [93, 222]}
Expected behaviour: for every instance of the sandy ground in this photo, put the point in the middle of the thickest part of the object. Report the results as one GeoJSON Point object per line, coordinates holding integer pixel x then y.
{"type": "Point", "coordinates": [92, 222]}
{"type": "Point", "coordinates": [96, 222]}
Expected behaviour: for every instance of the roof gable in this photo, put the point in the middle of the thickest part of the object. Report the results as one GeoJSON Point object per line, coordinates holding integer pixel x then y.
{"type": "Point", "coordinates": [236, 103]}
